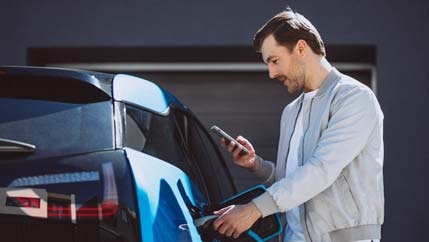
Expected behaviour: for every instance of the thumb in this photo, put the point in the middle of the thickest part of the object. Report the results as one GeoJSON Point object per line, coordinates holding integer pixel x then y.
{"type": "Point", "coordinates": [244, 142]}
{"type": "Point", "coordinates": [221, 211]}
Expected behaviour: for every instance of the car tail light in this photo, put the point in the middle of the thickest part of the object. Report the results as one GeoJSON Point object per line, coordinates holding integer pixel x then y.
{"type": "Point", "coordinates": [107, 209]}
{"type": "Point", "coordinates": [23, 202]}
{"type": "Point", "coordinates": [61, 206]}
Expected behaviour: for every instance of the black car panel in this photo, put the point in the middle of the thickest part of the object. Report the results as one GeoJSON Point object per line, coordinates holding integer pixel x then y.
{"type": "Point", "coordinates": [94, 80]}
{"type": "Point", "coordinates": [89, 198]}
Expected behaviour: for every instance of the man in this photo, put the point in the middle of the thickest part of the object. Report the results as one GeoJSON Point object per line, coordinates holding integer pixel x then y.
{"type": "Point", "coordinates": [328, 177]}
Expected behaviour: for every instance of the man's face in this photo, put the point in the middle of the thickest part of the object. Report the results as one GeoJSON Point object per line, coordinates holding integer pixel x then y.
{"type": "Point", "coordinates": [283, 65]}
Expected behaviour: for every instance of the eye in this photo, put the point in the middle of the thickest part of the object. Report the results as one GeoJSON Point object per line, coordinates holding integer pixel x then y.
{"type": "Point", "coordinates": [275, 61]}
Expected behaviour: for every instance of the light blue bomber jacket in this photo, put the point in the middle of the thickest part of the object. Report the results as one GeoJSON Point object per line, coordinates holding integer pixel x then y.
{"type": "Point", "coordinates": [339, 182]}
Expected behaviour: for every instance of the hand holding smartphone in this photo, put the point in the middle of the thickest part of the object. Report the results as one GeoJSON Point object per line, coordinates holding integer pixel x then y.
{"type": "Point", "coordinates": [222, 134]}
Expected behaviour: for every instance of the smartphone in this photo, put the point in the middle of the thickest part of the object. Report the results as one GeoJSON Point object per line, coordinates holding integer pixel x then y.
{"type": "Point", "coordinates": [219, 132]}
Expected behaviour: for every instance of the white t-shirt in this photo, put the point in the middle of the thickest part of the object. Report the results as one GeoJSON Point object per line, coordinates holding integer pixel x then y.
{"type": "Point", "coordinates": [294, 231]}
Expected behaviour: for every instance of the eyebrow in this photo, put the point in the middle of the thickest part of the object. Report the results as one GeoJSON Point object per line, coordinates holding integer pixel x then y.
{"type": "Point", "coordinates": [269, 59]}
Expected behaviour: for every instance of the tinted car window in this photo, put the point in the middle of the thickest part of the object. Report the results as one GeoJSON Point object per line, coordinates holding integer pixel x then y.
{"type": "Point", "coordinates": [155, 135]}
{"type": "Point", "coordinates": [159, 136]}
{"type": "Point", "coordinates": [206, 156]}
{"type": "Point", "coordinates": [181, 140]}
{"type": "Point", "coordinates": [58, 116]}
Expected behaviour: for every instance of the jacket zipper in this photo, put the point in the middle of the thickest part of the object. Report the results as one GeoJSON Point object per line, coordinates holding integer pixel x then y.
{"type": "Point", "coordinates": [290, 138]}
{"type": "Point", "coordinates": [302, 163]}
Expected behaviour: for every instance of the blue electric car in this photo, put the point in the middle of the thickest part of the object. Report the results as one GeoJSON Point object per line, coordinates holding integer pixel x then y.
{"type": "Point", "coordinates": [88, 156]}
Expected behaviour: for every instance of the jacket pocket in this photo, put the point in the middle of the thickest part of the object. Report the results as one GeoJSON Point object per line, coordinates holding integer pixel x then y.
{"type": "Point", "coordinates": [349, 199]}
{"type": "Point", "coordinates": [334, 208]}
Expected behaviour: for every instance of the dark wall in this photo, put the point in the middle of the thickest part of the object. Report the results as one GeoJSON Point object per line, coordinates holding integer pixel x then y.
{"type": "Point", "coordinates": [398, 29]}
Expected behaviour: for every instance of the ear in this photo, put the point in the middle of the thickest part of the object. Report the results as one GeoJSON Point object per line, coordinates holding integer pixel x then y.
{"type": "Point", "coordinates": [301, 47]}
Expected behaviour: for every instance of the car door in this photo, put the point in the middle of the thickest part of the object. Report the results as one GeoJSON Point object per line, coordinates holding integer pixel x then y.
{"type": "Point", "coordinates": [180, 177]}
{"type": "Point", "coordinates": [217, 178]}
{"type": "Point", "coordinates": [169, 189]}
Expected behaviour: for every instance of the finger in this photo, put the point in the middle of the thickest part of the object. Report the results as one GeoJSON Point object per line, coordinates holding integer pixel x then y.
{"type": "Point", "coordinates": [236, 152]}
{"type": "Point", "coordinates": [217, 223]}
{"type": "Point", "coordinates": [243, 141]}
{"type": "Point", "coordinates": [236, 235]}
{"type": "Point", "coordinates": [222, 229]}
{"type": "Point", "coordinates": [231, 147]}
{"type": "Point", "coordinates": [230, 231]}
{"type": "Point", "coordinates": [223, 142]}
{"type": "Point", "coordinates": [221, 211]}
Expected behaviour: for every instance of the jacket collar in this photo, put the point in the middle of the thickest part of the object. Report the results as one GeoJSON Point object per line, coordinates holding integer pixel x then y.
{"type": "Point", "coordinates": [331, 79]}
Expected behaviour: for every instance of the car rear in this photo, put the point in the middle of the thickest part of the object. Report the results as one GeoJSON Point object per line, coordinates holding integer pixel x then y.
{"type": "Point", "coordinates": [62, 177]}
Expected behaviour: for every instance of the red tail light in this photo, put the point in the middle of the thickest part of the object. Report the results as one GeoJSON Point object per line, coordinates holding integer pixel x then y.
{"type": "Point", "coordinates": [106, 209]}
{"type": "Point", "coordinates": [23, 202]}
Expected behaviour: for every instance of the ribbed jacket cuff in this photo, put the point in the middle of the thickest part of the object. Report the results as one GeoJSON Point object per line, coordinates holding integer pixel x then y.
{"type": "Point", "coordinates": [265, 170]}
{"type": "Point", "coordinates": [266, 204]}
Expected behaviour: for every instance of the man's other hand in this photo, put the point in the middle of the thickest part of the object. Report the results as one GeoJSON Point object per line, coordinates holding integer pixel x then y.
{"type": "Point", "coordinates": [236, 219]}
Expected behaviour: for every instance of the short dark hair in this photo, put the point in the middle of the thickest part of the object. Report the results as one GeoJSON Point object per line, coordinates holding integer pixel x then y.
{"type": "Point", "coordinates": [288, 27]}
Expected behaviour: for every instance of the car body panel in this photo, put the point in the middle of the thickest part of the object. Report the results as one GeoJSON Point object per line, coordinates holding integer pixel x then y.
{"type": "Point", "coordinates": [152, 175]}
{"type": "Point", "coordinates": [139, 92]}
{"type": "Point", "coordinates": [89, 197]}
{"type": "Point", "coordinates": [101, 81]}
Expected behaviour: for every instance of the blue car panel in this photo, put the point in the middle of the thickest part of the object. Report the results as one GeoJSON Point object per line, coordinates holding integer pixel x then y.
{"type": "Point", "coordinates": [159, 196]}
{"type": "Point", "coordinates": [139, 92]}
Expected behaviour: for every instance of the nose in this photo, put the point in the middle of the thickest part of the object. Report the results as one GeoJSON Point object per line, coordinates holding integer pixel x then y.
{"type": "Point", "coordinates": [272, 71]}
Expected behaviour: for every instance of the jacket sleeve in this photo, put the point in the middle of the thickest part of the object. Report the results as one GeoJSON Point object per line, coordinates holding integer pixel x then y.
{"type": "Point", "coordinates": [265, 171]}
{"type": "Point", "coordinates": [354, 115]}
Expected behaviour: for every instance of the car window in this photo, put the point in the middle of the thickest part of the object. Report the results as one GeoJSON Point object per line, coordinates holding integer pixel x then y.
{"type": "Point", "coordinates": [206, 156]}
{"type": "Point", "coordinates": [159, 136]}
{"type": "Point", "coordinates": [58, 116]}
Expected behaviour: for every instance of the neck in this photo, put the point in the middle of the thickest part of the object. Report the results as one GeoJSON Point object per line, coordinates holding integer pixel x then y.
{"type": "Point", "coordinates": [316, 73]}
